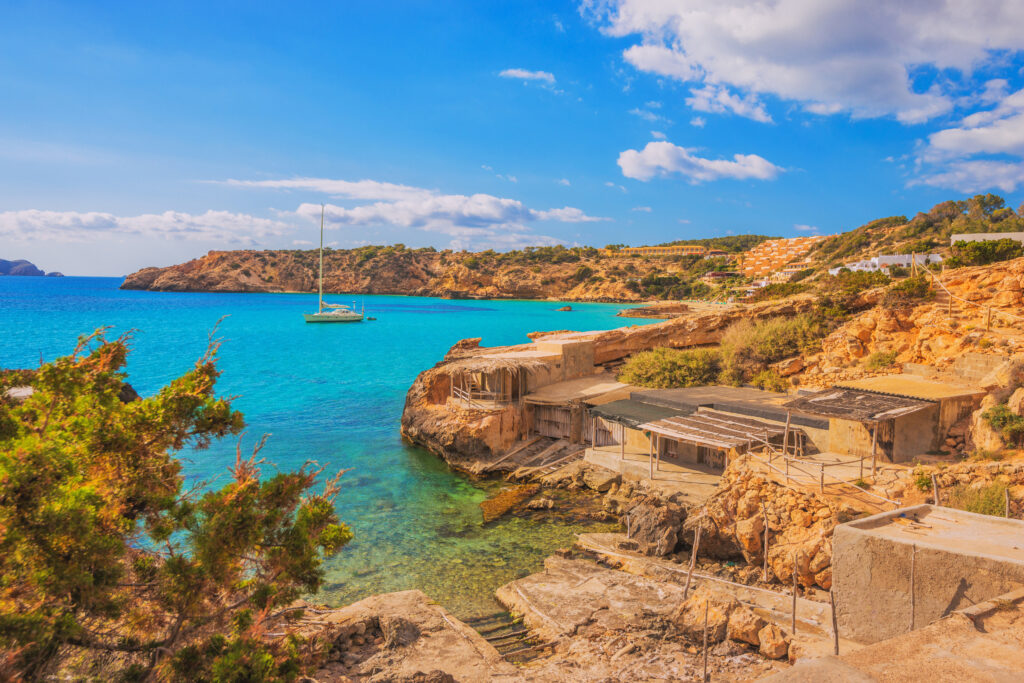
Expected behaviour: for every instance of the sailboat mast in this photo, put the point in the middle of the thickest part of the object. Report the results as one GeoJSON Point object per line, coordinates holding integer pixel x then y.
{"type": "Point", "coordinates": [320, 307]}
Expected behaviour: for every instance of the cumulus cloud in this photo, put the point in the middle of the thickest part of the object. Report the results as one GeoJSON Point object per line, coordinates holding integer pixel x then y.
{"type": "Point", "coordinates": [666, 159]}
{"type": "Point", "coordinates": [648, 115]}
{"type": "Point", "coordinates": [805, 228]}
{"type": "Point", "coordinates": [717, 99]}
{"type": "Point", "coordinates": [869, 59]}
{"type": "Point", "coordinates": [698, 122]}
{"type": "Point", "coordinates": [985, 150]}
{"type": "Point", "coordinates": [658, 135]}
{"type": "Point", "coordinates": [78, 226]}
{"type": "Point", "coordinates": [527, 75]}
{"type": "Point", "coordinates": [564, 181]}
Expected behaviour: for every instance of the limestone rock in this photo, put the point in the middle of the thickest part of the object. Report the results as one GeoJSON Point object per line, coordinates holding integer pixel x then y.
{"type": "Point", "coordinates": [773, 643]}
{"type": "Point", "coordinates": [981, 435]}
{"type": "Point", "coordinates": [744, 626]}
{"type": "Point", "coordinates": [689, 616]}
{"type": "Point", "coordinates": [1016, 402]}
{"type": "Point", "coordinates": [655, 525]}
{"type": "Point", "coordinates": [600, 479]}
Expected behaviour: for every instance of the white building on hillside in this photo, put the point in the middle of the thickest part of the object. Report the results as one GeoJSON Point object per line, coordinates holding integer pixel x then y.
{"type": "Point", "coordinates": [886, 262]}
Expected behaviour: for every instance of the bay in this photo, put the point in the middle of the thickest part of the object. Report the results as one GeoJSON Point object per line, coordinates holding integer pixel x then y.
{"type": "Point", "coordinates": [331, 394]}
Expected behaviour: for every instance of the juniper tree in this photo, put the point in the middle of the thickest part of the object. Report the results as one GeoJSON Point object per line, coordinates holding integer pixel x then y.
{"type": "Point", "coordinates": [111, 566]}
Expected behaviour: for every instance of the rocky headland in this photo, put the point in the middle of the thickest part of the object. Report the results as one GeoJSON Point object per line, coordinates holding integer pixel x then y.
{"type": "Point", "coordinates": [423, 272]}
{"type": "Point", "coordinates": [21, 267]}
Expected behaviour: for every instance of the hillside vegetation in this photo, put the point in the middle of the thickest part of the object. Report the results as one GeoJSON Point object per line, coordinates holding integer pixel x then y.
{"type": "Point", "coordinates": [585, 273]}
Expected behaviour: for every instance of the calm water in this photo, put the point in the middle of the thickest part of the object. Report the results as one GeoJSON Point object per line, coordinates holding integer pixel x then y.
{"type": "Point", "coordinates": [329, 393]}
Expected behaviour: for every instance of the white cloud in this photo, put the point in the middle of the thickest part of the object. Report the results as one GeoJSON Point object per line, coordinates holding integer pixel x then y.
{"type": "Point", "coordinates": [684, 221]}
{"type": "Point", "coordinates": [698, 122]}
{"type": "Point", "coordinates": [76, 226]}
{"type": "Point", "coordinates": [644, 209]}
{"type": "Point", "coordinates": [527, 75]}
{"type": "Point", "coordinates": [664, 159]}
{"type": "Point", "coordinates": [609, 183]}
{"type": "Point", "coordinates": [301, 243]}
{"type": "Point", "coordinates": [349, 189]}
{"type": "Point", "coordinates": [805, 228]}
{"type": "Point", "coordinates": [869, 59]}
{"type": "Point", "coordinates": [717, 99]}
{"type": "Point", "coordinates": [477, 221]}
{"type": "Point", "coordinates": [658, 135]}
{"type": "Point", "coordinates": [564, 181]}
{"type": "Point", "coordinates": [647, 115]}
{"type": "Point", "coordinates": [984, 150]}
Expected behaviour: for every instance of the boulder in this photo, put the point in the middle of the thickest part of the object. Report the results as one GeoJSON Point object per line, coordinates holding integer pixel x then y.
{"type": "Point", "coordinates": [689, 616]}
{"type": "Point", "coordinates": [600, 479]}
{"type": "Point", "coordinates": [1016, 402]}
{"type": "Point", "coordinates": [981, 435]}
{"type": "Point", "coordinates": [744, 626]}
{"type": "Point", "coordinates": [655, 526]}
{"type": "Point", "coordinates": [773, 643]}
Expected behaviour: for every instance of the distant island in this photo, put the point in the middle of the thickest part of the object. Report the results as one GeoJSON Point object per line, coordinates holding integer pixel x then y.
{"type": "Point", "coordinates": [23, 267]}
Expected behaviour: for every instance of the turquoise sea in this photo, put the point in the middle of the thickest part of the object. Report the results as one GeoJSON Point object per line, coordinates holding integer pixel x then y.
{"type": "Point", "coordinates": [332, 394]}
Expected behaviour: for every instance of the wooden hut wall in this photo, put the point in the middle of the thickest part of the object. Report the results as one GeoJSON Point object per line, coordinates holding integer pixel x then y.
{"type": "Point", "coordinates": [553, 421]}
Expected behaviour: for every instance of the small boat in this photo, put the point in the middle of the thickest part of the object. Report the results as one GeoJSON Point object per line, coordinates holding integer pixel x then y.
{"type": "Point", "coordinates": [334, 313]}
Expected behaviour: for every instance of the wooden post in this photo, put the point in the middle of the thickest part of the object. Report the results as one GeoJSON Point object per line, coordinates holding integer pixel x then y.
{"type": "Point", "coordinates": [821, 478]}
{"type": "Point", "coordinates": [988, 318]}
{"type": "Point", "coordinates": [793, 625]}
{"type": "Point", "coordinates": [706, 605]}
{"type": "Point", "coordinates": [657, 456]}
{"type": "Point", "coordinates": [693, 560]}
{"type": "Point", "coordinates": [785, 436]}
{"type": "Point", "coordinates": [622, 442]}
{"type": "Point", "coordinates": [862, 469]}
{"type": "Point", "coordinates": [764, 514]}
{"type": "Point", "coordinates": [1006, 497]}
{"type": "Point", "coordinates": [935, 490]}
{"type": "Point", "coordinates": [835, 624]}
{"type": "Point", "coordinates": [652, 456]}
{"type": "Point", "coordinates": [913, 561]}
{"type": "Point", "coordinates": [787, 468]}
{"type": "Point", "coordinates": [874, 447]}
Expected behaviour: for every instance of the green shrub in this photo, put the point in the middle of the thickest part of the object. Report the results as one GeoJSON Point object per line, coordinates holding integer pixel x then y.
{"type": "Point", "coordinates": [984, 500]}
{"type": "Point", "coordinates": [749, 347]}
{"type": "Point", "coordinates": [1006, 422]}
{"type": "Point", "coordinates": [912, 289]}
{"type": "Point", "coordinates": [770, 380]}
{"type": "Point", "coordinates": [983, 253]}
{"type": "Point", "coordinates": [664, 368]}
{"type": "Point", "coordinates": [923, 482]}
{"type": "Point", "coordinates": [471, 262]}
{"type": "Point", "coordinates": [881, 359]}
{"type": "Point", "coordinates": [582, 273]}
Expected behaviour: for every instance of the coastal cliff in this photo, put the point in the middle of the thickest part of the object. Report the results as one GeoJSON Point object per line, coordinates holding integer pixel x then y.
{"type": "Point", "coordinates": [578, 274]}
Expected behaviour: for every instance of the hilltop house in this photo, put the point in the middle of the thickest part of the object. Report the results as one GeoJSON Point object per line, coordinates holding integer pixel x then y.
{"type": "Point", "coordinates": [884, 263]}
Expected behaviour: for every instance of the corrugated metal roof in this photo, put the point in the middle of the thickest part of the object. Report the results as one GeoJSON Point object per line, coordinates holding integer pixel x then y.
{"type": "Point", "coordinates": [860, 405]}
{"type": "Point", "coordinates": [718, 430]}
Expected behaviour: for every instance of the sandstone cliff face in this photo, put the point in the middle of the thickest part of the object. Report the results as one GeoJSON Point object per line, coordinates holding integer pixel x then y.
{"type": "Point", "coordinates": [410, 272]}
{"type": "Point", "coordinates": [933, 332]}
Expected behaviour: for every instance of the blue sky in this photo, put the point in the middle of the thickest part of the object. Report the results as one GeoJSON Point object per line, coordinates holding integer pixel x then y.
{"type": "Point", "coordinates": [134, 135]}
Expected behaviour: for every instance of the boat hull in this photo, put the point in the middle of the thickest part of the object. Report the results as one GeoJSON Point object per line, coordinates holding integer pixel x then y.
{"type": "Point", "coordinates": [332, 318]}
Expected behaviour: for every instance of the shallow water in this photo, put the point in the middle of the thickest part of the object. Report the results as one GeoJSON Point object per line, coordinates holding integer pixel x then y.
{"type": "Point", "coordinates": [332, 394]}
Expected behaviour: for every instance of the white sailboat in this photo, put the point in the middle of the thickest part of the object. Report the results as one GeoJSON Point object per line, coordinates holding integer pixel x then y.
{"type": "Point", "coordinates": [330, 313]}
